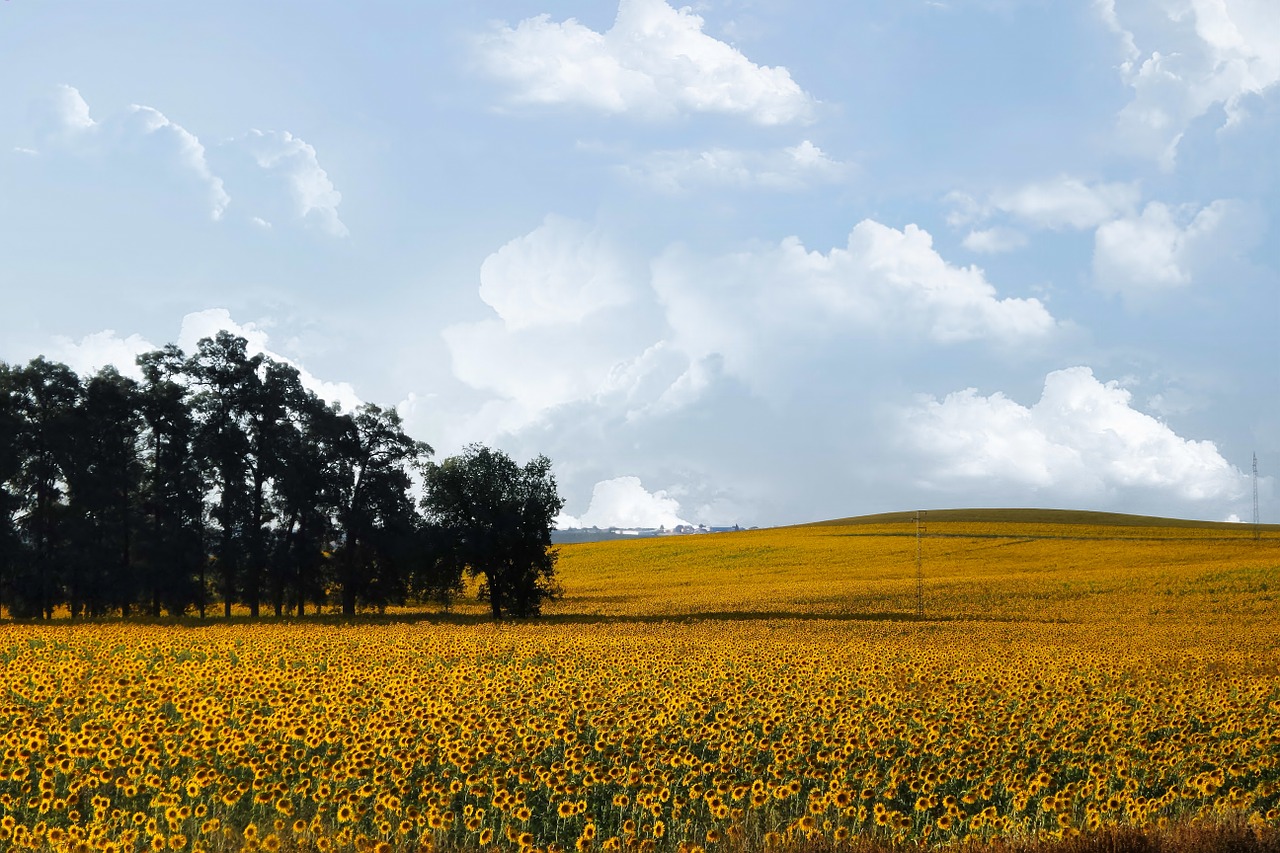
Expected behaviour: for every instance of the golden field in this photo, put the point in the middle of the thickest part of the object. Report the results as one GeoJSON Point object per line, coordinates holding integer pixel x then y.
{"type": "Point", "coordinates": [754, 689]}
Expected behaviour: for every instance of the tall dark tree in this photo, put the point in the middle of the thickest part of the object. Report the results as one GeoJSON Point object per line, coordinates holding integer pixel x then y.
{"type": "Point", "coordinates": [171, 550]}
{"type": "Point", "coordinates": [225, 378]}
{"type": "Point", "coordinates": [104, 475]}
{"type": "Point", "coordinates": [271, 399]}
{"type": "Point", "coordinates": [497, 517]}
{"type": "Point", "coordinates": [47, 398]}
{"type": "Point", "coordinates": [306, 463]}
{"type": "Point", "coordinates": [374, 512]}
{"type": "Point", "coordinates": [11, 433]}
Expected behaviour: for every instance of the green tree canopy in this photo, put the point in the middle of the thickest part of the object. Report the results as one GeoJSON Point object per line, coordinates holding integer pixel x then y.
{"type": "Point", "coordinates": [497, 518]}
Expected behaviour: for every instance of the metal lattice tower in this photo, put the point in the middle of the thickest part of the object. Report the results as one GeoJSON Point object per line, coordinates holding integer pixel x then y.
{"type": "Point", "coordinates": [1257, 529]}
{"type": "Point", "coordinates": [920, 531]}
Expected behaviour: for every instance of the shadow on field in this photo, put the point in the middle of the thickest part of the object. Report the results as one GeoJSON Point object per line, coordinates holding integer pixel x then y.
{"type": "Point", "coordinates": [464, 619]}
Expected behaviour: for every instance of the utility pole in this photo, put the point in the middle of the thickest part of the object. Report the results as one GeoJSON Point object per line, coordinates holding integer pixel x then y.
{"type": "Point", "coordinates": [1257, 521]}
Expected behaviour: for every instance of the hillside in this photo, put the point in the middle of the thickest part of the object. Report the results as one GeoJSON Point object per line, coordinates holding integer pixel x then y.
{"type": "Point", "coordinates": [1038, 516]}
{"type": "Point", "coordinates": [1003, 565]}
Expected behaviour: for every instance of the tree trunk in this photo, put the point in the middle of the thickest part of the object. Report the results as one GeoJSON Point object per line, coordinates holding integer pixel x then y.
{"type": "Point", "coordinates": [495, 594]}
{"type": "Point", "coordinates": [203, 562]}
{"type": "Point", "coordinates": [298, 560]}
{"type": "Point", "coordinates": [126, 544]}
{"type": "Point", "coordinates": [253, 581]}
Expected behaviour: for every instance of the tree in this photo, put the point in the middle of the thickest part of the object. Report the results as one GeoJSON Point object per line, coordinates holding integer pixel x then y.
{"type": "Point", "coordinates": [105, 476]}
{"type": "Point", "coordinates": [497, 518]}
{"type": "Point", "coordinates": [375, 515]}
{"type": "Point", "coordinates": [306, 498]}
{"type": "Point", "coordinates": [171, 548]}
{"type": "Point", "coordinates": [46, 400]}
{"type": "Point", "coordinates": [226, 377]}
{"type": "Point", "coordinates": [12, 546]}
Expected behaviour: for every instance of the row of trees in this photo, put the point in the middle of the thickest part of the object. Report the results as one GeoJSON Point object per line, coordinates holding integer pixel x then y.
{"type": "Point", "coordinates": [218, 479]}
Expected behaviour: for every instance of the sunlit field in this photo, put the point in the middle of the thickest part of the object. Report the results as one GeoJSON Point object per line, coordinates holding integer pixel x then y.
{"type": "Point", "coordinates": [755, 690]}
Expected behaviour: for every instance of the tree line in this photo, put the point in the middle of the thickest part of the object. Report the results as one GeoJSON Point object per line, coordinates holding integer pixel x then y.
{"type": "Point", "coordinates": [219, 480]}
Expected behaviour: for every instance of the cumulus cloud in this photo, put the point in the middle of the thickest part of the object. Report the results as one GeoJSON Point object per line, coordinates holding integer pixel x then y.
{"type": "Point", "coordinates": [1067, 202]}
{"type": "Point", "coordinates": [71, 110]}
{"type": "Point", "coordinates": [1063, 202]}
{"type": "Point", "coordinates": [572, 327]}
{"type": "Point", "coordinates": [1147, 250]}
{"type": "Point", "coordinates": [561, 272]}
{"type": "Point", "coordinates": [134, 141]}
{"type": "Point", "coordinates": [655, 61]}
{"type": "Point", "coordinates": [314, 195]}
{"type": "Point", "coordinates": [190, 152]}
{"type": "Point", "coordinates": [1165, 247]}
{"type": "Point", "coordinates": [992, 241]}
{"type": "Point", "coordinates": [749, 306]}
{"type": "Point", "coordinates": [1082, 441]}
{"type": "Point", "coordinates": [101, 349]}
{"type": "Point", "coordinates": [785, 169]}
{"type": "Point", "coordinates": [566, 321]}
{"type": "Point", "coordinates": [71, 127]}
{"type": "Point", "coordinates": [536, 369]}
{"type": "Point", "coordinates": [625, 503]}
{"type": "Point", "coordinates": [1183, 58]}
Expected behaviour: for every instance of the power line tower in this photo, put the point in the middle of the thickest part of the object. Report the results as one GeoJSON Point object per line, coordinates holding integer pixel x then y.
{"type": "Point", "coordinates": [1257, 521]}
{"type": "Point", "coordinates": [921, 528]}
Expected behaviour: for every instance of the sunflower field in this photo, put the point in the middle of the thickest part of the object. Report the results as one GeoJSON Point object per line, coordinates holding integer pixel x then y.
{"type": "Point", "coordinates": [699, 693]}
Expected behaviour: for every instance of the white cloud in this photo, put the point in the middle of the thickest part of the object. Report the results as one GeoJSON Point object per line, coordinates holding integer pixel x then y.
{"type": "Point", "coordinates": [1067, 202]}
{"type": "Point", "coordinates": [313, 192]}
{"type": "Point", "coordinates": [190, 152]}
{"type": "Point", "coordinates": [1059, 203]}
{"type": "Point", "coordinates": [535, 369]}
{"type": "Point", "coordinates": [993, 241]}
{"type": "Point", "coordinates": [561, 272]}
{"type": "Point", "coordinates": [751, 307]}
{"type": "Point", "coordinates": [70, 128]}
{"type": "Point", "coordinates": [654, 61]}
{"type": "Point", "coordinates": [116, 140]}
{"type": "Point", "coordinates": [786, 169]}
{"type": "Point", "coordinates": [574, 326]}
{"type": "Point", "coordinates": [100, 349]}
{"type": "Point", "coordinates": [566, 324]}
{"type": "Point", "coordinates": [1081, 441]}
{"type": "Point", "coordinates": [624, 502]}
{"type": "Point", "coordinates": [71, 110]}
{"type": "Point", "coordinates": [1203, 54]}
{"type": "Point", "coordinates": [1165, 247]}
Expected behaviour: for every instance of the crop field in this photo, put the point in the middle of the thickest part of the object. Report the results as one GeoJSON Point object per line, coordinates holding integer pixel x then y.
{"type": "Point", "coordinates": [753, 690]}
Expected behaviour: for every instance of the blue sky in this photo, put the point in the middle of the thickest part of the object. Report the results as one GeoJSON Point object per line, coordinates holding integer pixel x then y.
{"type": "Point", "coordinates": [740, 262]}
